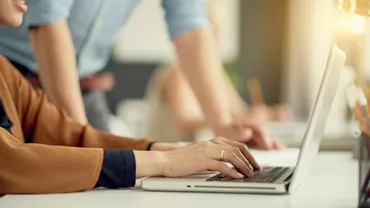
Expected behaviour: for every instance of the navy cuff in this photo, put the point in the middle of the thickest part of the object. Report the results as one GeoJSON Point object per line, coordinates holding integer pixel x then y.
{"type": "Point", "coordinates": [150, 146]}
{"type": "Point", "coordinates": [118, 170]}
{"type": "Point", "coordinates": [4, 119]}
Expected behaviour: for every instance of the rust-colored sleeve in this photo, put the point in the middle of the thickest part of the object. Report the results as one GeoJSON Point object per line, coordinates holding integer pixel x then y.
{"type": "Point", "coordinates": [45, 123]}
{"type": "Point", "coordinates": [59, 155]}
{"type": "Point", "coordinates": [40, 168]}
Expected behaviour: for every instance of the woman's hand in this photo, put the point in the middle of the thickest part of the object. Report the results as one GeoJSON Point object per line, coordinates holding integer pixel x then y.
{"type": "Point", "coordinates": [210, 155]}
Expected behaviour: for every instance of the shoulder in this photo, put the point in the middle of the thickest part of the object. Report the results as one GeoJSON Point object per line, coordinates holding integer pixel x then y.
{"type": "Point", "coordinates": [6, 79]}
{"type": "Point", "coordinates": [2, 59]}
{"type": "Point", "coordinates": [4, 65]}
{"type": "Point", "coordinates": [8, 72]}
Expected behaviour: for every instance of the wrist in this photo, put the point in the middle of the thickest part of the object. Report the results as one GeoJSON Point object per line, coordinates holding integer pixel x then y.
{"type": "Point", "coordinates": [161, 160]}
{"type": "Point", "coordinates": [150, 163]}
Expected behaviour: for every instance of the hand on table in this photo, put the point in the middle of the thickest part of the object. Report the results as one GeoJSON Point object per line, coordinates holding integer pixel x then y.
{"type": "Point", "coordinates": [249, 132]}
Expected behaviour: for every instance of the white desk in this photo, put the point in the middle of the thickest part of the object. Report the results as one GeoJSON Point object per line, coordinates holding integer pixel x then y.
{"type": "Point", "coordinates": [332, 184]}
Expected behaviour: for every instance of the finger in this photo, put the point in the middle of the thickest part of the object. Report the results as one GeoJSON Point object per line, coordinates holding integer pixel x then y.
{"type": "Point", "coordinates": [278, 145]}
{"type": "Point", "coordinates": [245, 151]}
{"type": "Point", "coordinates": [241, 132]}
{"type": "Point", "coordinates": [223, 168]}
{"type": "Point", "coordinates": [230, 154]}
{"type": "Point", "coordinates": [238, 128]}
{"type": "Point", "coordinates": [246, 156]}
{"type": "Point", "coordinates": [233, 156]}
{"type": "Point", "coordinates": [245, 162]}
{"type": "Point", "coordinates": [260, 137]}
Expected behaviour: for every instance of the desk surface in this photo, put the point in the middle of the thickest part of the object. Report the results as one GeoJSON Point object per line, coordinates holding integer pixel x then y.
{"type": "Point", "coordinates": [333, 183]}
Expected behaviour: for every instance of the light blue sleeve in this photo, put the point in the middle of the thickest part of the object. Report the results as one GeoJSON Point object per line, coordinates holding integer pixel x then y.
{"type": "Point", "coordinates": [43, 12]}
{"type": "Point", "coordinates": [185, 15]}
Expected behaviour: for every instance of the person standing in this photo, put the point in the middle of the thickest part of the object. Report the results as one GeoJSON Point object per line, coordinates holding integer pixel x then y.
{"type": "Point", "coordinates": [61, 42]}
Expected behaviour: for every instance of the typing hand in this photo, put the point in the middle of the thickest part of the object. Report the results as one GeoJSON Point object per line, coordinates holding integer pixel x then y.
{"type": "Point", "coordinates": [210, 155]}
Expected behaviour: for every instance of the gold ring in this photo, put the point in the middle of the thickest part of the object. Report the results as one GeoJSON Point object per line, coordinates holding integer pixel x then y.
{"type": "Point", "coordinates": [222, 155]}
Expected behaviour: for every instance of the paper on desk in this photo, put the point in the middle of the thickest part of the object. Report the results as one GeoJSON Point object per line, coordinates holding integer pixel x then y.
{"type": "Point", "coordinates": [282, 129]}
{"type": "Point", "coordinates": [286, 157]}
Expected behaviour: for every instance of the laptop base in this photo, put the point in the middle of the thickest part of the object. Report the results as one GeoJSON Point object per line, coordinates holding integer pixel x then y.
{"type": "Point", "coordinates": [199, 183]}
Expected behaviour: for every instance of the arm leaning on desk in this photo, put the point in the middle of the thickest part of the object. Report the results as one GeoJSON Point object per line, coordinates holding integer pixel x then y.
{"type": "Point", "coordinates": [333, 183]}
{"type": "Point", "coordinates": [46, 151]}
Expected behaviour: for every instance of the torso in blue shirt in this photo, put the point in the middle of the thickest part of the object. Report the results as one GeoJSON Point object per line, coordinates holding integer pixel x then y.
{"type": "Point", "coordinates": [93, 25]}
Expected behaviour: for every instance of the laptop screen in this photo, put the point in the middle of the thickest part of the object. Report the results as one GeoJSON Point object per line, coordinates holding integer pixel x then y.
{"type": "Point", "coordinates": [321, 109]}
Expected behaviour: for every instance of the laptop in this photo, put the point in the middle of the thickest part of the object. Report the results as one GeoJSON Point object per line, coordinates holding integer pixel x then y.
{"type": "Point", "coordinates": [270, 180]}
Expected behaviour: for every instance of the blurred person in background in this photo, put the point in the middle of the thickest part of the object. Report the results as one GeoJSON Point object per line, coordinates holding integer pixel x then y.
{"type": "Point", "coordinates": [63, 45]}
{"type": "Point", "coordinates": [43, 150]}
{"type": "Point", "coordinates": [174, 112]}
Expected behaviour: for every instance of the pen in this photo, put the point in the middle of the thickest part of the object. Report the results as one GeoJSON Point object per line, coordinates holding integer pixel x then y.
{"type": "Point", "coordinates": [358, 103]}
{"type": "Point", "coordinates": [362, 108]}
{"type": "Point", "coordinates": [255, 91]}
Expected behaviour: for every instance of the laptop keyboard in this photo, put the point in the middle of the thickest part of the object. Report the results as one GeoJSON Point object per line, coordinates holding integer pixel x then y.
{"type": "Point", "coordinates": [265, 175]}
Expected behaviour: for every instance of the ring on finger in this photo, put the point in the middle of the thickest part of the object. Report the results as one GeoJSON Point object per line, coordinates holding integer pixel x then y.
{"type": "Point", "coordinates": [222, 155]}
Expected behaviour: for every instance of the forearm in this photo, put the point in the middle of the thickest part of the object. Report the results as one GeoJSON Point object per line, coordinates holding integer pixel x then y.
{"type": "Point", "coordinates": [149, 163]}
{"type": "Point", "coordinates": [180, 101]}
{"type": "Point", "coordinates": [45, 123]}
{"type": "Point", "coordinates": [192, 126]}
{"type": "Point", "coordinates": [94, 138]}
{"type": "Point", "coordinates": [239, 106]}
{"type": "Point", "coordinates": [200, 60]}
{"type": "Point", "coordinates": [55, 57]}
{"type": "Point", "coordinates": [38, 168]}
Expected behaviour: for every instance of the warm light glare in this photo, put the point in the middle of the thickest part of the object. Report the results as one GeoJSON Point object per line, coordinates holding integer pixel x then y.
{"type": "Point", "coordinates": [354, 23]}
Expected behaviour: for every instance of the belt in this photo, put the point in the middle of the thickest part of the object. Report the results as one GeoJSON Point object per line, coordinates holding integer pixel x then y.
{"type": "Point", "coordinates": [100, 81]}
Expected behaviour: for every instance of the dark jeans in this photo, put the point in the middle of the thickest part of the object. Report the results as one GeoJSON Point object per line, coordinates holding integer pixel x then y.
{"type": "Point", "coordinates": [97, 111]}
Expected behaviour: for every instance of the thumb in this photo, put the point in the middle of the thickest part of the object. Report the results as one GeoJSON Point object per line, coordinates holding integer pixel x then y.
{"type": "Point", "coordinates": [243, 133]}
{"type": "Point", "coordinates": [260, 137]}
{"type": "Point", "coordinates": [246, 134]}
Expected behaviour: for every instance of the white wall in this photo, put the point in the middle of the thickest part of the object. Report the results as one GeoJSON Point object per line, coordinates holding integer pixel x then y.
{"type": "Point", "coordinates": [309, 38]}
{"type": "Point", "coordinates": [145, 37]}
{"type": "Point", "coordinates": [311, 34]}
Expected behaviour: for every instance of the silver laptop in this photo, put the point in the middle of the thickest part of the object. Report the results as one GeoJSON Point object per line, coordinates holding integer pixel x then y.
{"type": "Point", "coordinates": [270, 180]}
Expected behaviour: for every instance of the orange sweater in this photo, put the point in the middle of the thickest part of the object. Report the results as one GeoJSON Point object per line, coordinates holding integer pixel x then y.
{"type": "Point", "coordinates": [61, 155]}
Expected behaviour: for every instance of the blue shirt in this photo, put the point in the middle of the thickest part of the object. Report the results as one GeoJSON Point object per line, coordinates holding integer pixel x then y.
{"type": "Point", "coordinates": [93, 25]}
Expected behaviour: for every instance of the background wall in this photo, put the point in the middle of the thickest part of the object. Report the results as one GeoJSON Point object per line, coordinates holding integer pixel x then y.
{"type": "Point", "coordinates": [145, 37]}
{"type": "Point", "coordinates": [131, 80]}
{"type": "Point", "coordinates": [263, 31]}
{"type": "Point", "coordinates": [308, 40]}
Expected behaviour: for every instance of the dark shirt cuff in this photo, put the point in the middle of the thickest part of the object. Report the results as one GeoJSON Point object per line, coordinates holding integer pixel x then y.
{"type": "Point", "coordinates": [118, 170]}
{"type": "Point", "coordinates": [150, 146]}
